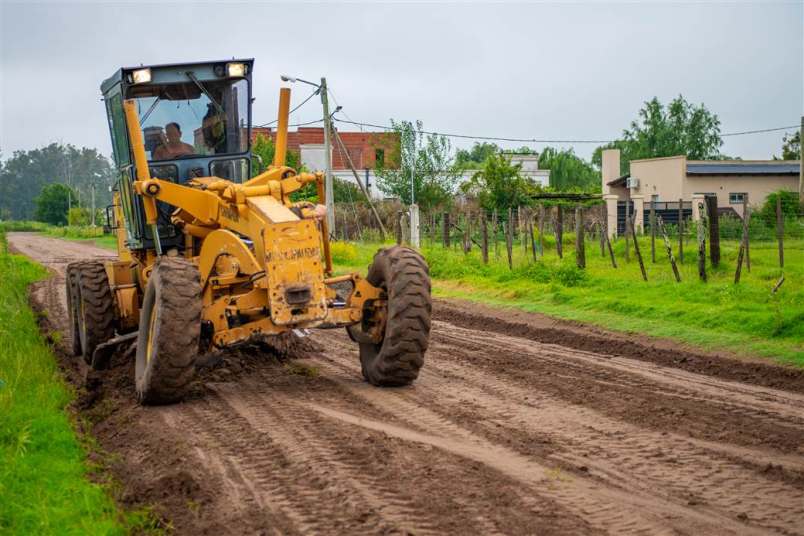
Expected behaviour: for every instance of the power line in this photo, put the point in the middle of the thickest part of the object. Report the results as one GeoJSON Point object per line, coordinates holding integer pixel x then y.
{"type": "Point", "coordinates": [302, 103]}
{"type": "Point", "coordinates": [757, 131]}
{"type": "Point", "coordinates": [536, 140]}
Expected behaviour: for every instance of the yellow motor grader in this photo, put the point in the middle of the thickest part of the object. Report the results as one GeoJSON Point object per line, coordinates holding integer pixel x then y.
{"type": "Point", "coordinates": [209, 256]}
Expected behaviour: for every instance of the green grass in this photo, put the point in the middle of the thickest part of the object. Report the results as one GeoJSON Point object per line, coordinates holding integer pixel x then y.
{"type": "Point", "coordinates": [746, 319]}
{"type": "Point", "coordinates": [44, 485]}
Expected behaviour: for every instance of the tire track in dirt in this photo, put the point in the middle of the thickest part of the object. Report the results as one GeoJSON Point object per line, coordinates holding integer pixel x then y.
{"type": "Point", "coordinates": [689, 472]}
{"type": "Point", "coordinates": [313, 444]}
{"type": "Point", "coordinates": [501, 434]}
{"type": "Point", "coordinates": [760, 401]}
{"type": "Point", "coordinates": [606, 508]}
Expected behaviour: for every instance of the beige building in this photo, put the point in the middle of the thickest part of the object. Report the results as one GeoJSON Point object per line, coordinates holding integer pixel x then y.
{"type": "Point", "coordinates": [669, 180]}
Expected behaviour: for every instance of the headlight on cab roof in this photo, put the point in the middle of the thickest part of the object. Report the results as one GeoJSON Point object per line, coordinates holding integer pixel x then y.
{"type": "Point", "coordinates": [236, 70]}
{"type": "Point", "coordinates": [141, 76]}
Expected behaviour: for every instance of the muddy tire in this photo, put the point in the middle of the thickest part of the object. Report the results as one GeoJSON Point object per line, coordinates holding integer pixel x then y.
{"type": "Point", "coordinates": [93, 307]}
{"type": "Point", "coordinates": [169, 332]}
{"type": "Point", "coordinates": [71, 286]}
{"type": "Point", "coordinates": [404, 276]}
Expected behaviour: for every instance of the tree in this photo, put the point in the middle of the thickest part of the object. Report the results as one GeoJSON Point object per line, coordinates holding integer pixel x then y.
{"type": "Point", "coordinates": [426, 167]}
{"type": "Point", "coordinates": [52, 204]}
{"type": "Point", "coordinates": [568, 171]}
{"type": "Point", "coordinates": [791, 146]}
{"type": "Point", "coordinates": [680, 128]}
{"type": "Point", "coordinates": [263, 152]}
{"type": "Point", "coordinates": [499, 185]}
{"type": "Point", "coordinates": [475, 157]}
{"type": "Point", "coordinates": [23, 176]}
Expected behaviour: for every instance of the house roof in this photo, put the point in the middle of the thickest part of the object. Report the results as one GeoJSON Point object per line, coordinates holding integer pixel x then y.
{"type": "Point", "coordinates": [736, 167]}
{"type": "Point", "coordinates": [619, 181]}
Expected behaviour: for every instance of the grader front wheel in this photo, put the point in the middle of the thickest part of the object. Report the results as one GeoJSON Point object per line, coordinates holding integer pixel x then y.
{"type": "Point", "coordinates": [169, 332]}
{"type": "Point", "coordinates": [403, 274]}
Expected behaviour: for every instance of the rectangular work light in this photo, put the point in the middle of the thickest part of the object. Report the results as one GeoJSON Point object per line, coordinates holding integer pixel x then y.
{"type": "Point", "coordinates": [141, 76]}
{"type": "Point", "coordinates": [236, 70]}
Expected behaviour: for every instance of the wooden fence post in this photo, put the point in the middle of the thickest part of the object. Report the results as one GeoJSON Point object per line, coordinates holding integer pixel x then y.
{"type": "Point", "coordinates": [509, 238]}
{"type": "Point", "coordinates": [637, 253]}
{"type": "Point", "coordinates": [714, 230]}
{"type": "Point", "coordinates": [484, 229]}
{"type": "Point", "coordinates": [652, 231]}
{"type": "Point", "coordinates": [743, 248]}
{"type": "Point", "coordinates": [559, 231]}
{"type": "Point", "coordinates": [611, 252]}
{"type": "Point", "coordinates": [580, 245]}
{"type": "Point", "coordinates": [701, 243]}
{"type": "Point", "coordinates": [467, 234]}
{"type": "Point", "coordinates": [669, 249]}
{"type": "Point", "coordinates": [746, 220]}
{"type": "Point", "coordinates": [780, 228]}
{"type": "Point", "coordinates": [494, 233]}
{"type": "Point", "coordinates": [681, 231]}
{"type": "Point", "coordinates": [532, 238]}
{"type": "Point", "coordinates": [445, 229]}
{"type": "Point", "coordinates": [541, 229]}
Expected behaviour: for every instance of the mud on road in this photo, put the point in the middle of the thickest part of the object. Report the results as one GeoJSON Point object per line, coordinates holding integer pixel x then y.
{"type": "Point", "coordinates": [517, 425]}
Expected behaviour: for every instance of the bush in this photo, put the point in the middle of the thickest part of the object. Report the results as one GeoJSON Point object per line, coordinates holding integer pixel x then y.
{"type": "Point", "coordinates": [78, 216]}
{"type": "Point", "coordinates": [790, 206]}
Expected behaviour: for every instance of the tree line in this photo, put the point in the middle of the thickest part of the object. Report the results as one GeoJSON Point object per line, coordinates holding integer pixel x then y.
{"type": "Point", "coordinates": [429, 172]}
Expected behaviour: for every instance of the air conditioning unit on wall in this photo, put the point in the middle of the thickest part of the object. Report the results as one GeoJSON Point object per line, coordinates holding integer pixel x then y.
{"type": "Point", "coordinates": [632, 182]}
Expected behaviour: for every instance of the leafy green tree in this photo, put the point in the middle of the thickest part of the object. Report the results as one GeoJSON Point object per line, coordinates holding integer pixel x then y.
{"type": "Point", "coordinates": [25, 173]}
{"type": "Point", "coordinates": [791, 146]}
{"type": "Point", "coordinates": [475, 157]}
{"type": "Point", "coordinates": [53, 203]}
{"type": "Point", "coordinates": [680, 128]}
{"type": "Point", "coordinates": [499, 185]}
{"type": "Point", "coordinates": [426, 167]}
{"type": "Point", "coordinates": [263, 151]}
{"type": "Point", "coordinates": [790, 206]}
{"type": "Point", "coordinates": [568, 171]}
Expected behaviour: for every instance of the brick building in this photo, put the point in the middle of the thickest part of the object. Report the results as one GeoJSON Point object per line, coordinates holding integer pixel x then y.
{"type": "Point", "coordinates": [366, 149]}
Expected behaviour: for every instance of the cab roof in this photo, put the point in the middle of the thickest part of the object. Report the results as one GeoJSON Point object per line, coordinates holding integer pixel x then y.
{"type": "Point", "coordinates": [203, 70]}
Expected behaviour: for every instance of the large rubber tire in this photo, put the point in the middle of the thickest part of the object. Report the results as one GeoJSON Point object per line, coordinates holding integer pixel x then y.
{"type": "Point", "coordinates": [94, 307]}
{"type": "Point", "coordinates": [71, 286]}
{"type": "Point", "coordinates": [169, 332]}
{"type": "Point", "coordinates": [404, 276]}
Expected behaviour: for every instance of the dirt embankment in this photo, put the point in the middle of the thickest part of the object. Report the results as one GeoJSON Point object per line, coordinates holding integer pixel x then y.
{"type": "Point", "coordinates": [517, 425]}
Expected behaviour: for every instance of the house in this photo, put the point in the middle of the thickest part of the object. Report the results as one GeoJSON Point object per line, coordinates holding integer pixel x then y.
{"type": "Point", "coordinates": [365, 149]}
{"type": "Point", "coordinates": [530, 168]}
{"type": "Point", "coordinates": [672, 180]}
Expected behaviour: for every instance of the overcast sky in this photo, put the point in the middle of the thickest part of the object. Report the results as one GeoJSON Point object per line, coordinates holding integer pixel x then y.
{"type": "Point", "coordinates": [557, 71]}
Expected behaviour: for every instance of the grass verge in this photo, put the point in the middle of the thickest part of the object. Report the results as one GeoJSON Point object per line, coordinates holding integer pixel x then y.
{"type": "Point", "coordinates": [44, 484]}
{"type": "Point", "coordinates": [746, 319]}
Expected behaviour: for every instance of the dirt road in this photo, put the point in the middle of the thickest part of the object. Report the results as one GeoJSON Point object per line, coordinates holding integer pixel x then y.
{"type": "Point", "coordinates": [505, 432]}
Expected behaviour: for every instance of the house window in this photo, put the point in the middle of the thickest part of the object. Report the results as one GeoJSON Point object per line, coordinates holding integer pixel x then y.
{"type": "Point", "coordinates": [736, 198]}
{"type": "Point", "coordinates": [379, 158]}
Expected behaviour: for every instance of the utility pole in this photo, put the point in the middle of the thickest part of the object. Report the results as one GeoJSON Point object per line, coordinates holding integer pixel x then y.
{"type": "Point", "coordinates": [93, 204]}
{"type": "Point", "coordinates": [329, 191]}
{"type": "Point", "coordinates": [801, 165]}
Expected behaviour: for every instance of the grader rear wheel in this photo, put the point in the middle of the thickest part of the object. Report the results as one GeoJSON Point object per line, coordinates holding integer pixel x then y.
{"type": "Point", "coordinates": [169, 332]}
{"type": "Point", "coordinates": [71, 285]}
{"type": "Point", "coordinates": [91, 306]}
{"type": "Point", "coordinates": [403, 274]}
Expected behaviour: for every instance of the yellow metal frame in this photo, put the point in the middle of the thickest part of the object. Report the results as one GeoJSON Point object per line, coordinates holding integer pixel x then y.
{"type": "Point", "coordinates": [247, 289]}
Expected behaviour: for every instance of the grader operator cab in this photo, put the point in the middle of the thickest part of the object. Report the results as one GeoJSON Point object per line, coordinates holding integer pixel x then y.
{"type": "Point", "coordinates": [210, 256]}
